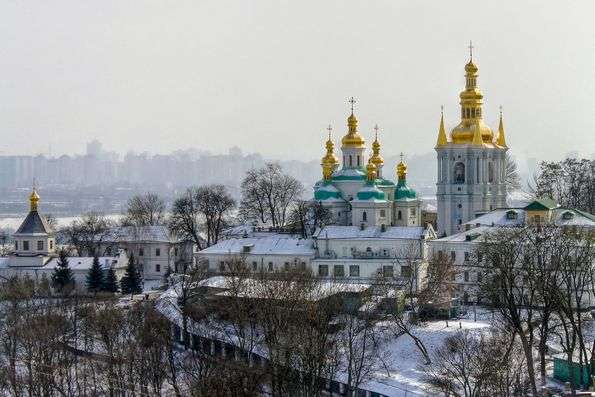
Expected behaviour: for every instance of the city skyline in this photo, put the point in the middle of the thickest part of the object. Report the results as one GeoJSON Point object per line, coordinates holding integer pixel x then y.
{"type": "Point", "coordinates": [161, 78]}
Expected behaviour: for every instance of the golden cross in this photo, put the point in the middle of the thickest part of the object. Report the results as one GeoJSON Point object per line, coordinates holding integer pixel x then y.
{"type": "Point", "coordinates": [376, 131]}
{"type": "Point", "coordinates": [500, 110]}
{"type": "Point", "coordinates": [329, 129]}
{"type": "Point", "coordinates": [401, 157]}
{"type": "Point", "coordinates": [471, 49]}
{"type": "Point", "coordinates": [352, 101]}
{"type": "Point", "coordinates": [442, 109]}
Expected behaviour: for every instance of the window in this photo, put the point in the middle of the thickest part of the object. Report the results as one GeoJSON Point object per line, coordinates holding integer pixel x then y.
{"type": "Point", "coordinates": [353, 270]}
{"type": "Point", "coordinates": [350, 161]}
{"type": "Point", "coordinates": [459, 173]}
{"type": "Point", "coordinates": [157, 251]}
{"type": "Point", "coordinates": [358, 163]}
{"type": "Point", "coordinates": [453, 256]}
{"type": "Point", "coordinates": [25, 245]}
{"type": "Point", "coordinates": [157, 268]}
{"type": "Point", "coordinates": [490, 172]}
{"type": "Point", "coordinates": [141, 252]}
{"type": "Point", "coordinates": [388, 271]}
{"type": "Point", "coordinates": [399, 215]}
{"type": "Point", "coordinates": [254, 266]}
{"type": "Point", "coordinates": [271, 266]}
{"type": "Point", "coordinates": [222, 266]}
{"type": "Point", "coordinates": [16, 245]}
{"type": "Point", "coordinates": [39, 245]}
{"type": "Point", "coordinates": [406, 271]}
{"type": "Point", "coordinates": [51, 244]}
{"type": "Point", "coordinates": [466, 276]}
{"type": "Point", "coordinates": [323, 270]}
{"type": "Point", "coordinates": [382, 213]}
{"type": "Point", "coordinates": [412, 211]}
{"type": "Point", "coordinates": [339, 271]}
{"type": "Point", "coordinates": [440, 254]}
{"type": "Point", "coordinates": [466, 256]}
{"type": "Point", "coordinates": [364, 216]}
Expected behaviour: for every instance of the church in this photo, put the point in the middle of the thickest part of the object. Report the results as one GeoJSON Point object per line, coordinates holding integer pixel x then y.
{"type": "Point", "coordinates": [357, 191]}
{"type": "Point", "coordinates": [471, 162]}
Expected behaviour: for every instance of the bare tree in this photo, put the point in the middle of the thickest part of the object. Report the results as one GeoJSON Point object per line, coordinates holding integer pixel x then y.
{"type": "Point", "coordinates": [87, 233]}
{"type": "Point", "coordinates": [146, 209]}
{"type": "Point", "coordinates": [268, 194]}
{"type": "Point", "coordinates": [215, 205]}
{"type": "Point", "coordinates": [308, 215]}
{"type": "Point", "coordinates": [477, 364]}
{"type": "Point", "coordinates": [511, 175]}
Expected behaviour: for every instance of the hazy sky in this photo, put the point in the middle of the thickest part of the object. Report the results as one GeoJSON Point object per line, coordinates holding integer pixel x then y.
{"type": "Point", "coordinates": [269, 76]}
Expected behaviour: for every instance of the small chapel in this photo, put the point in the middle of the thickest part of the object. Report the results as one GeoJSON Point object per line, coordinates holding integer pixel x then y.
{"type": "Point", "coordinates": [357, 191]}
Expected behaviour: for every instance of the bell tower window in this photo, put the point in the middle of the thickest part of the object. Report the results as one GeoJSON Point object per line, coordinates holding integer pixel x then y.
{"type": "Point", "coordinates": [459, 173]}
{"type": "Point", "coordinates": [350, 160]}
{"type": "Point", "coordinates": [358, 163]}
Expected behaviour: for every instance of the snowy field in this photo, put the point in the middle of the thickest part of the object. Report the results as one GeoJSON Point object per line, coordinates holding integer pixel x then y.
{"type": "Point", "coordinates": [406, 376]}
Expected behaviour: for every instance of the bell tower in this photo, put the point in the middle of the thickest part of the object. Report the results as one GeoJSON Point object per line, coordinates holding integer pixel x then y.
{"type": "Point", "coordinates": [471, 164]}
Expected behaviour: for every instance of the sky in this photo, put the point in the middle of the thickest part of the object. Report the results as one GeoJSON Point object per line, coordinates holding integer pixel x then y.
{"type": "Point", "coordinates": [269, 76]}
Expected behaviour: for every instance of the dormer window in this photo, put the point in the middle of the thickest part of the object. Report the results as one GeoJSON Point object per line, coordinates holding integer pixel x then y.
{"type": "Point", "coordinates": [567, 215]}
{"type": "Point", "coordinates": [511, 214]}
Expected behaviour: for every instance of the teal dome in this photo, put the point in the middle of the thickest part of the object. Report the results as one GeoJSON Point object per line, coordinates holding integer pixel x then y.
{"type": "Point", "coordinates": [403, 191]}
{"type": "Point", "coordinates": [370, 192]}
{"type": "Point", "coordinates": [326, 191]}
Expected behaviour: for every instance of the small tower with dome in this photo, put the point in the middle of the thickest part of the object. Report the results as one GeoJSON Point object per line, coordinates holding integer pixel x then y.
{"type": "Point", "coordinates": [34, 240]}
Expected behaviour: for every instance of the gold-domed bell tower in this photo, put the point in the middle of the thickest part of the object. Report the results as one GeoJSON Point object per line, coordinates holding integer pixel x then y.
{"type": "Point", "coordinates": [353, 144]}
{"type": "Point", "coordinates": [471, 165]}
{"type": "Point", "coordinates": [376, 158]}
{"type": "Point", "coordinates": [329, 162]}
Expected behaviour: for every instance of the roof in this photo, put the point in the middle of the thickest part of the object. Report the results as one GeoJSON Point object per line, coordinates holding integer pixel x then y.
{"type": "Point", "coordinates": [542, 204]}
{"type": "Point", "coordinates": [499, 217]}
{"type": "Point", "coordinates": [85, 262]}
{"type": "Point", "coordinates": [370, 193]}
{"type": "Point", "coordinates": [34, 223]}
{"type": "Point", "coordinates": [276, 244]}
{"type": "Point", "coordinates": [372, 232]}
{"type": "Point", "coordinates": [131, 234]}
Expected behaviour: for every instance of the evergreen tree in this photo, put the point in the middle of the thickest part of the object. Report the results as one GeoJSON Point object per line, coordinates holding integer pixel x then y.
{"type": "Point", "coordinates": [110, 284]}
{"type": "Point", "coordinates": [62, 278]}
{"type": "Point", "coordinates": [95, 276]}
{"type": "Point", "coordinates": [131, 283]}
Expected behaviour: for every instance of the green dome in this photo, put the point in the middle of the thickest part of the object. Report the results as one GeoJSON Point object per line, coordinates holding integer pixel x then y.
{"type": "Point", "coordinates": [370, 192]}
{"type": "Point", "coordinates": [403, 191]}
{"type": "Point", "coordinates": [326, 191]}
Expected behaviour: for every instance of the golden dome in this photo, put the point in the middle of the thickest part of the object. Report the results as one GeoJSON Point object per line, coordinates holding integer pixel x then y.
{"type": "Point", "coordinates": [352, 139]}
{"type": "Point", "coordinates": [401, 170]}
{"type": "Point", "coordinates": [329, 161]}
{"type": "Point", "coordinates": [471, 112]}
{"type": "Point", "coordinates": [34, 200]}
{"type": "Point", "coordinates": [371, 171]}
{"type": "Point", "coordinates": [376, 158]}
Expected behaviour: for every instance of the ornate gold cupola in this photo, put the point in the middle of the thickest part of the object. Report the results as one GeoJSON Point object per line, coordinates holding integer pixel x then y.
{"type": "Point", "coordinates": [376, 158]}
{"type": "Point", "coordinates": [471, 110]}
{"type": "Point", "coordinates": [34, 200]}
{"type": "Point", "coordinates": [329, 162]}
{"type": "Point", "coordinates": [352, 139]}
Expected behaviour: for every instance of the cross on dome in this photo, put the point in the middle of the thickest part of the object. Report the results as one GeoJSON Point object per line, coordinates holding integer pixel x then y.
{"type": "Point", "coordinates": [352, 101]}
{"type": "Point", "coordinates": [470, 50]}
{"type": "Point", "coordinates": [329, 129]}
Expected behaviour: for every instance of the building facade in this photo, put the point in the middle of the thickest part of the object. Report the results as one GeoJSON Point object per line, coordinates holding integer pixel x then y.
{"type": "Point", "coordinates": [471, 163]}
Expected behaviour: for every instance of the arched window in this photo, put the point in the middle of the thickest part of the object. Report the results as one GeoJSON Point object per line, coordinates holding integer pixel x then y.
{"type": "Point", "coordinates": [358, 163]}
{"type": "Point", "coordinates": [364, 216]}
{"type": "Point", "coordinates": [477, 169]}
{"type": "Point", "coordinates": [459, 173]}
{"type": "Point", "coordinates": [350, 160]}
{"type": "Point", "coordinates": [490, 172]}
{"type": "Point", "coordinates": [399, 215]}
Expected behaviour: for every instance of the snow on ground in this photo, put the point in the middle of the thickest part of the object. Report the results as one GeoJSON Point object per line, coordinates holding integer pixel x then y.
{"type": "Point", "coordinates": [406, 375]}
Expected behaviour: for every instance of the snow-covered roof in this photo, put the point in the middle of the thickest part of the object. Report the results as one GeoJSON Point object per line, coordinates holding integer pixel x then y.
{"type": "Point", "coordinates": [467, 236]}
{"type": "Point", "coordinates": [129, 234]}
{"type": "Point", "coordinates": [85, 262]}
{"type": "Point", "coordinates": [275, 244]}
{"type": "Point", "coordinates": [560, 217]}
{"type": "Point", "coordinates": [371, 232]}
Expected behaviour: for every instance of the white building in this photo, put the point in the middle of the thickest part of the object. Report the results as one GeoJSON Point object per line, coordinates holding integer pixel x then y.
{"type": "Point", "coordinates": [460, 247]}
{"type": "Point", "coordinates": [35, 253]}
{"type": "Point", "coordinates": [154, 249]}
